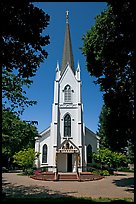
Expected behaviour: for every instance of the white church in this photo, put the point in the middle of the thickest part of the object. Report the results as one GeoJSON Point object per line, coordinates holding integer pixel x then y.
{"type": "Point", "coordinates": [66, 146]}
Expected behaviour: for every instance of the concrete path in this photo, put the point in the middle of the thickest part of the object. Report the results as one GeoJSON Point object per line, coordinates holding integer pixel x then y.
{"type": "Point", "coordinates": [120, 186]}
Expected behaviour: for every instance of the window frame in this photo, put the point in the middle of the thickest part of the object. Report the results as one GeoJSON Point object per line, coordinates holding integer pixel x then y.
{"type": "Point", "coordinates": [67, 125]}
{"type": "Point", "coordinates": [44, 153]}
{"type": "Point", "coordinates": [67, 94]}
{"type": "Point", "coordinates": [89, 158]}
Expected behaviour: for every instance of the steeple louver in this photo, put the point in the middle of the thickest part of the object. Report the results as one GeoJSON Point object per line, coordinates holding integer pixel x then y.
{"type": "Point", "coordinates": [67, 57]}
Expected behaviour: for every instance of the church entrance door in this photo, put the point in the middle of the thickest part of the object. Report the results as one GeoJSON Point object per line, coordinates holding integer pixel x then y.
{"type": "Point", "coordinates": [69, 162]}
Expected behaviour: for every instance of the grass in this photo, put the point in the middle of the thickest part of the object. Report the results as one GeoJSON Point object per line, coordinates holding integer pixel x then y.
{"type": "Point", "coordinates": [66, 199]}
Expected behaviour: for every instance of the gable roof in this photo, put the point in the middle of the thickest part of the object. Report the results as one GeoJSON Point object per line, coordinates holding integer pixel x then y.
{"type": "Point", "coordinates": [67, 146]}
{"type": "Point", "coordinates": [92, 133]}
{"type": "Point", "coordinates": [44, 131]}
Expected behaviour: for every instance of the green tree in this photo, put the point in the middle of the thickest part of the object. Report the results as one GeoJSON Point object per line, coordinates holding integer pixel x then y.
{"type": "Point", "coordinates": [109, 49]}
{"type": "Point", "coordinates": [108, 158]}
{"type": "Point", "coordinates": [103, 127]}
{"type": "Point", "coordinates": [130, 153]}
{"type": "Point", "coordinates": [16, 135]}
{"type": "Point", "coordinates": [22, 49]}
{"type": "Point", "coordinates": [25, 158]}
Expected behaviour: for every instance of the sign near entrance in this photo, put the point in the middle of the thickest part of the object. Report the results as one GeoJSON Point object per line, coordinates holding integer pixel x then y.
{"type": "Point", "coordinates": [67, 151]}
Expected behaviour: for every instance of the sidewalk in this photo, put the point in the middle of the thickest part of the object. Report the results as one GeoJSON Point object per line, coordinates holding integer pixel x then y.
{"type": "Point", "coordinates": [120, 186]}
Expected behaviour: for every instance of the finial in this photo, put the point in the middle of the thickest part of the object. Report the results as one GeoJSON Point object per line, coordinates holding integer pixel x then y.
{"type": "Point", "coordinates": [78, 66]}
{"type": "Point", "coordinates": [57, 68]}
{"type": "Point", "coordinates": [67, 16]}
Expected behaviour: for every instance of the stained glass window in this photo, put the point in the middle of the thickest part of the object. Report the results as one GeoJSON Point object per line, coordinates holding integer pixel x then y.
{"type": "Point", "coordinates": [67, 125]}
{"type": "Point", "coordinates": [67, 94]}
{"type": "Point", "coordinates": [44, 154]}
{"type": "Point", "coordinates": [89, 154]}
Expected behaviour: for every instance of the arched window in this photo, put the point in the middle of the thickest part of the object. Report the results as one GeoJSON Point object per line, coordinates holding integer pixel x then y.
{"type": "Point", "coordinates": [67, 94]}
{"type": "Point", "coordinates": [44, 154]}
{"type": "Point", "coordinates": [67, 125]}
{"type": "Point", "coordinates": [89, 154]}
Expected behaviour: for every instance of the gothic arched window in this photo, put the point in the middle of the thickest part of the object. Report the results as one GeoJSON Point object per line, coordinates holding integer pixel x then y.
{"type": "Point", "coordinates": [67, 125]}
{"type": "Point", "coordinates": [89, 154]}
{"type": "Point", "coordinates": [67, 93]}
{"type": "Point", "coordinates": [44, 154]}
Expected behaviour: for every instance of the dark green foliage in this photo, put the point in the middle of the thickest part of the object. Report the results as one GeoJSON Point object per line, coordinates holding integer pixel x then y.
{"type": "Point", "coordinates": [16, 135]}
{"type": "Point", "coordinates": [109, 48]}
{"type": "Point", "coordinates": [130, 153]}
{"type": "Point", "coordinates": [103, 127]}
{"type": "Point", "coordinates": [22, 49]}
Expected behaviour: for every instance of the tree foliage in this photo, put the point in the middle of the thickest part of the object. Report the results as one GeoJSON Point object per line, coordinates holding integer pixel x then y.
{"type": "Point", "coordinates": [109, 49]}
{"type": "Point", "coordinates": [103, 128]}
{"type": "Point", "coordinates": [25, 158]}
{"type": "Point", "coordinates": [22, 49]}
{"type": "Point", "coordinates": [106, 157]}
{"type": "Point", "coordinates": [16, 135]}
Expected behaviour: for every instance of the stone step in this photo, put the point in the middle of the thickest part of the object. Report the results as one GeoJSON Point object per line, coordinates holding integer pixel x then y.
{"type": "Point", "coordinates": [67, 176]}
{"type": "Point", "coordinates": [44, 176]}
{"type": "Point", "coordinates": [89, 176]}
{"type": "Point", "coordinates": [50, 176]}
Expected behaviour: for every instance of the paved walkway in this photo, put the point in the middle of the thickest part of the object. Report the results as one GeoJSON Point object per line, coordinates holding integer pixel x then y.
{"type": "Point", "coordinates": [120, 186]}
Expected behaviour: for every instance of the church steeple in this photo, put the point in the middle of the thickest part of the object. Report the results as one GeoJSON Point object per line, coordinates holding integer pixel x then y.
{"type": "Point", "coordinates": [67, 57]}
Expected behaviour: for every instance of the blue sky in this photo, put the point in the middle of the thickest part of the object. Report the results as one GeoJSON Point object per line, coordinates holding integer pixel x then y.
{"type": "Point", "coordinates": [81, 19]}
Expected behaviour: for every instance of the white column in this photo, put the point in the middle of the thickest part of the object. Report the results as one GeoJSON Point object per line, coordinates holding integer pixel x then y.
{"type": "Point", "coordinates": [37, 150]}
{"type": "Point", "coordinates": [79, 92]}
{"type": "Point", "coordinates": [54, 124]}
{"type": "Point", "coordinates": [78, 72]}
{"type": "Point", "coordinates": [56, 89]}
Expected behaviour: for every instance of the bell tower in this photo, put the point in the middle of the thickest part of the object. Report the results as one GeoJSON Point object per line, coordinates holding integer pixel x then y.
{"type": "Point", "coordinates": [67, 112]}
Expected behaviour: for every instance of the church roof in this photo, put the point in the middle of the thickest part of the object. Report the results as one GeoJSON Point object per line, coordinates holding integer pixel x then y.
{"type": "Point", "coordinates": [92, 133]}
{"type": "Point", "coordinates": [67, 57]}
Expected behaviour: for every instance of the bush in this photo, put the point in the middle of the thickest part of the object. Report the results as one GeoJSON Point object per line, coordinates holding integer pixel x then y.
{"type": "Point", "coordinates": [28, 172]}
{"type": "Point", "coordinates": [25, 158]}
{"type": "Point", "coordinates": [96, 172]}
{"type": "Point", "coordinates": [104, 173]}
{"type": "Point", "coordinates": [111, 171]}
{"type": "Point", "coordinates": [44, 169]}
{"type": "Point", "coordinates": [96, 165]}
{"type": "Point", "coordinates": [106, 157]}
{"type": "Point", "coordinates": [4, 170]}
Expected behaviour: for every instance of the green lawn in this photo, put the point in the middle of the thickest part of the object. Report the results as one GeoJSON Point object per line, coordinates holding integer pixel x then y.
{"type": "Point", "coordinates": [65, 199]}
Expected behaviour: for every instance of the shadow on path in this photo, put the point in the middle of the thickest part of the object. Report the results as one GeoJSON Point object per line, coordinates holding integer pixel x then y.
{"type": "Point", "coordinates": [125, 182]}
{"type": "Point", "coordinates": [20, 191]}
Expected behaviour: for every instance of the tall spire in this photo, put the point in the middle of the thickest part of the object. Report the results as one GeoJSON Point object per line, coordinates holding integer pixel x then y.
{"type": "Point", "coordinates": [67, 50]}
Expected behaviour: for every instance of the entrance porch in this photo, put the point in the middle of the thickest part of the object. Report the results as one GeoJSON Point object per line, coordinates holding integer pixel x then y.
{"type": "Point", "coordinates": [67, 162]}
{"type": "Point", "coordinates": [67, 157]}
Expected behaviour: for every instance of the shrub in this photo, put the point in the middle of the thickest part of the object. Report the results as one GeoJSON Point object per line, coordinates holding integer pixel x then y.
{"type": "Point", "coordinates": [28, 172]}
{"type": "Point", "coordinates": [25, 159]}
{"type": "Point", "coordinates": [104, 173]}
{"type": "Point", "coordinates": [4, 170]}
{"type": "Point", "coordinates": [108, 158]}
